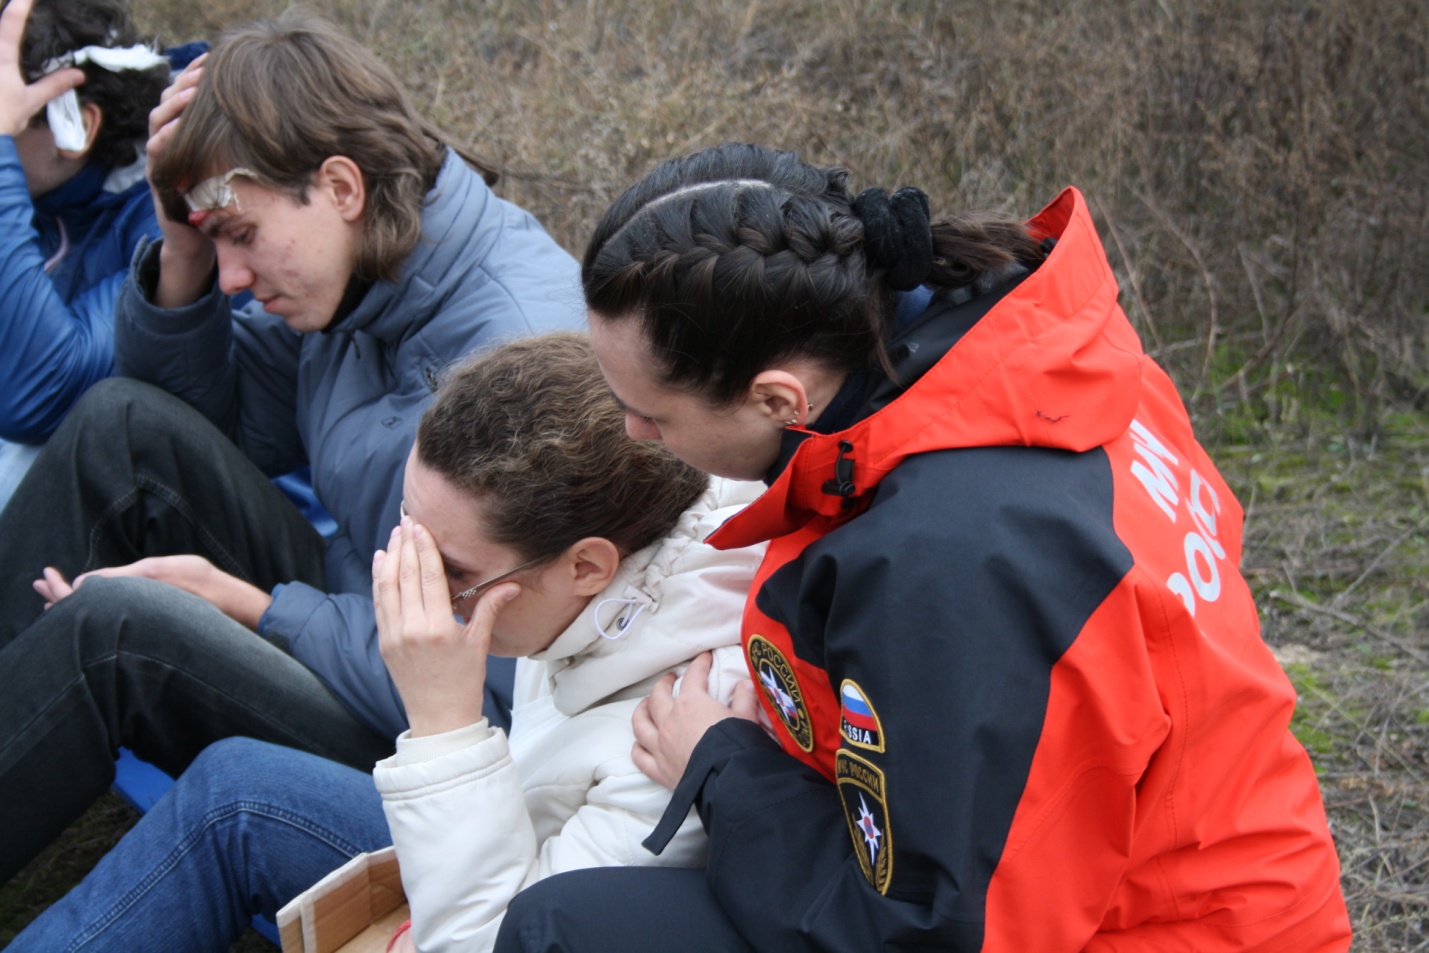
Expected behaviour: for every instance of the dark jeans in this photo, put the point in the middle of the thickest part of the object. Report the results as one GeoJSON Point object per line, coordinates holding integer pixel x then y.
{"type": "Point", "coordinates": [619, 910]}
{"type": "Point", "coordinates": [134, 472]}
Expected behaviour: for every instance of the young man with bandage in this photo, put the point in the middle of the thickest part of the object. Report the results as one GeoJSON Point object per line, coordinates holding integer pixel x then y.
{"type": "Point", "coordinates": [76, 87]}
{"type": "Point", "coordinates": [288, 163]}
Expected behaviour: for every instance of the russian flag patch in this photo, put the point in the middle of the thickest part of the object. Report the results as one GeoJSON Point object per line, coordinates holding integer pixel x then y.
{"type": "Point", "coordinates": [858, 722]}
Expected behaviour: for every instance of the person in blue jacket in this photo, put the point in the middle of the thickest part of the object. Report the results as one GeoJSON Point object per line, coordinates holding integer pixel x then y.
{"type": "Point", "coordinates": [204, 605]}
{"type": "Point", "coordinates": [76, 87]}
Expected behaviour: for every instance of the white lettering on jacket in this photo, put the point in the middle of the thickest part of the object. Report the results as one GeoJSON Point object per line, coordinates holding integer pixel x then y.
{"type": "Point", "coordinates": [1201, 582]}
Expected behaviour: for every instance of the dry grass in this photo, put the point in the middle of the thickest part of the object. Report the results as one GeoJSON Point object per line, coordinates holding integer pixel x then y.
{"type": "Point", "coordinates": [1337, 554]}
{"type": "Point", "coordinates": [1258, 168]}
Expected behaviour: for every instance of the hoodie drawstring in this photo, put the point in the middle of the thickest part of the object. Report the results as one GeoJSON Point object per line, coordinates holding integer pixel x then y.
{"type": "Point", "coordinates": [621, 622]}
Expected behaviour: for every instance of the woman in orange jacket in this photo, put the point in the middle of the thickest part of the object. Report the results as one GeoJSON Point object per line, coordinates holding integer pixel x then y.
{"type": "Point", "coordinates": [1015, 680]}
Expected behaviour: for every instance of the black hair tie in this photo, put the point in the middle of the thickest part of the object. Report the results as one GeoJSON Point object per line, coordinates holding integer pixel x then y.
{"type": "Point", "coordinates": [897, 236]}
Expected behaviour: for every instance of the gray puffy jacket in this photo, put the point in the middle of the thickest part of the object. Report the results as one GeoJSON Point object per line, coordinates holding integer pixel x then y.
{"type": "Point", "coordinates": [347, 400]}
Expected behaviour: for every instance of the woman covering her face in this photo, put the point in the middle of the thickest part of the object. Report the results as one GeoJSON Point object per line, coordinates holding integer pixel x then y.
{"type": "Point", "coordinates": [529, 511]}
{"type": "Point", "coordinates": [1016, 677]}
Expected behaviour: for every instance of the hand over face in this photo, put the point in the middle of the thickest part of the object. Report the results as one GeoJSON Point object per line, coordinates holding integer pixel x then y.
{"type": "Point", "coordinates": [437, 663]}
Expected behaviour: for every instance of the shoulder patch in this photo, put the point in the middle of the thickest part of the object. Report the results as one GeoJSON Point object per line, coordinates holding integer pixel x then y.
{"type": "Point", "coordinates": [858, 722]}
{"type": "Point", "coordinates": [776, 677]}
{"type": "Point", "coordinates": [865, 803]}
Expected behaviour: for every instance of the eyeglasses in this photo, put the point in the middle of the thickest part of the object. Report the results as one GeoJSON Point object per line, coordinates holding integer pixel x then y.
{"type": "Point", "coordinates": [481, 586]}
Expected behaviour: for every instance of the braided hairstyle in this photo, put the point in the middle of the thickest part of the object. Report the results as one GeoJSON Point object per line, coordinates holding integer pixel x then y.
{"type": "Point", "coordinates": [739, 257]}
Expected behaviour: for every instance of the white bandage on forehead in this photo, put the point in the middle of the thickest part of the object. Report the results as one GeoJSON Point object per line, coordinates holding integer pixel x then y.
{"type": "Point", "coordinates": [63, 111]}
{"type": "Point", "coordinates": [216, 192]}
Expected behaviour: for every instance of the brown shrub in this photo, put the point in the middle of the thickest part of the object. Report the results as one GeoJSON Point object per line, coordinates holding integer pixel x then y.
{"type": "Point", "coordinates": [1258, 166]}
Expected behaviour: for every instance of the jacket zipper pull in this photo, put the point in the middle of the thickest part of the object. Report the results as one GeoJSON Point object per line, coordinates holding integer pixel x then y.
{"type": "Point", "coordinates": [842, 483]}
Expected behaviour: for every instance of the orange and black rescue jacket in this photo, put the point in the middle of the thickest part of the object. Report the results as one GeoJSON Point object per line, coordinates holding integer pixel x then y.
{"type": "Point", "coordinates": [1001, 624]}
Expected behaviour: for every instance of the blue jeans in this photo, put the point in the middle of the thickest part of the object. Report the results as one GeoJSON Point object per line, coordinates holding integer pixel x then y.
{"type": "Point", "coordinates": [245, 829]}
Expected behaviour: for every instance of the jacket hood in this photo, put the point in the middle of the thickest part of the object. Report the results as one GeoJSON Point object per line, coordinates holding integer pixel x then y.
{"type": "Point", "coordinates": [1053, 364]}
{"type": "Point", "coordinates": [627, 634]}
{"type": "Point", "coordinates": [455, 239]}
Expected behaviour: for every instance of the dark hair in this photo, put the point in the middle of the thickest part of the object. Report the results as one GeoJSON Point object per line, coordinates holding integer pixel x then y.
{"type": "Point", "coordinates": [282, 96]}
{"type": "Point", "coordinates": [57, 27]}
{"type": "Point", "coordinates": [532, 426]}
{"type": "Point", "coordinates": [738, 257]}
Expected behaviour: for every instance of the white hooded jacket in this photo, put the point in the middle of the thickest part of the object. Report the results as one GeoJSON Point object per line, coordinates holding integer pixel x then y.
{"type": "Point", "coordinates": [475, 818]}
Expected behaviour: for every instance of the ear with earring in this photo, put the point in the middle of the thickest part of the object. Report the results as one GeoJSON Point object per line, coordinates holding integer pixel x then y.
{"type": "Point", "coordinates": [794, 420]}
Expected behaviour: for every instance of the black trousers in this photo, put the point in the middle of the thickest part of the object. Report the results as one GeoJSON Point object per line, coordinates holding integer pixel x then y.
{"type": "Point", "coordinates": [619, 910]}
{"type": "Point", "coordinates": [135, 472]}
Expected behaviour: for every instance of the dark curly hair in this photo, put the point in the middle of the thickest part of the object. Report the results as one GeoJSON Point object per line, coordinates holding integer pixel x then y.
{"type": "Point", "coordinates": [532, 427]}
{"type": "Point", "coordinates": [57, 27]}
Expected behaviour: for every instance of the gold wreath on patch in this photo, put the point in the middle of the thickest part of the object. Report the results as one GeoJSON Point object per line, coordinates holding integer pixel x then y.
{"type": "Point", "coordinates": [865, 801]}
{"type": "Point", "coordinates": [776, 678]}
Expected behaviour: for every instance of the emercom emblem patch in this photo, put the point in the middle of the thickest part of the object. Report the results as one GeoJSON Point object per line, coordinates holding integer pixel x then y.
{"type": "Point", "coordinates": [777, 679]}
{"type": "Point", "coordinates": [866, 809]}
{"type": "Point", "coordinates": [858, 722]}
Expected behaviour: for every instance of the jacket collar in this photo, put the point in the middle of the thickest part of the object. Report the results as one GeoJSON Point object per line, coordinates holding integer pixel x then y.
{"type": "Point", "coordinates": [1054, 363]}
{"type": "Point", "coordinates": [85, 194]}
{"type": "Point", "coordinates": [619, 642]}
{"type": "Point", "coordinates": [450, 246]}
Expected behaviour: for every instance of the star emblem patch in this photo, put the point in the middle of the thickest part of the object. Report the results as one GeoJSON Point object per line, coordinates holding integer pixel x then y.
{"type": "Point", "coordinates": [862, 789]}
{"type": "Point", "coordinates": [776, 678]}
